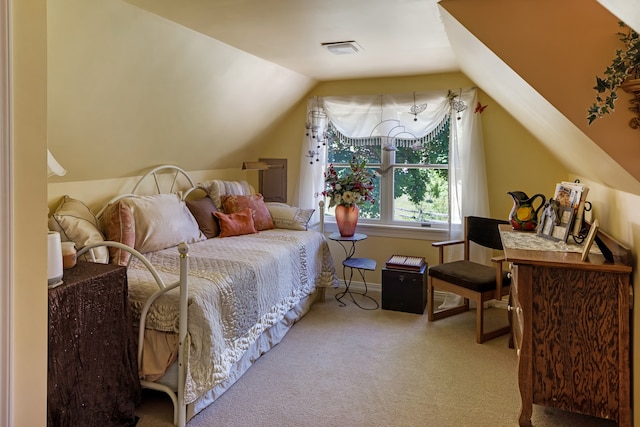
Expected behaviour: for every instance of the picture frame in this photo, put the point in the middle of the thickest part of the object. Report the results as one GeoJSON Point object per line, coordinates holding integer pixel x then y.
{"type": "Point", "coordinates": [588, 241]}
{"type": "Point", "coordinates": [556, 222]}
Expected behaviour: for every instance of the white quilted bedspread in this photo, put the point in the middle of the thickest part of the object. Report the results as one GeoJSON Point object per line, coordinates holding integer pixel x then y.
{"type": "Point", "coordinates": [238, 288]}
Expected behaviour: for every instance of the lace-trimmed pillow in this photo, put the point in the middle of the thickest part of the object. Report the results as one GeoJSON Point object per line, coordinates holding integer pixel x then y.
{"type": "Point", "coordinates": [289, 217]}
{"type": "Point", "coordinates": [216, 189]}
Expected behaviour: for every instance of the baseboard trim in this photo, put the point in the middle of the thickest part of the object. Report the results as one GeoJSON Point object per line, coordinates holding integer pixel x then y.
{"type": "Point", "coordinates": [438, 296]}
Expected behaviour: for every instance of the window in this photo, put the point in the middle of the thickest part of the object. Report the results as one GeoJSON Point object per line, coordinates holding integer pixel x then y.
{"type": "Point", "coordinates": [412, 183]}
{"type": "Point", "coordinates": [426, 146]}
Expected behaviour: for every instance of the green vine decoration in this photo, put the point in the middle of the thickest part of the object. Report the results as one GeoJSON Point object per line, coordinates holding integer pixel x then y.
{"type": "Point", "coordinates": [624, 66]}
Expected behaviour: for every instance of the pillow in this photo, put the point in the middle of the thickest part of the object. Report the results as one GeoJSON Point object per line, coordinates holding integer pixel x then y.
{"type": "Point", "coordinates": [261, 216]}
{"type": "Point", "coordinates": [76, 223]}
{"type": "Point", "coordinates": [202, 210]}
{"type": "Point", "coordinates": [118, 226]}
{"type": "Point", "coordinates": [289, 217]}
{"type": "Point", "coordinates": [216, 188]}
{"type": "Point", "coordinates": [236, 224]}
{"type": "Point", "coordinates": [158, 222]}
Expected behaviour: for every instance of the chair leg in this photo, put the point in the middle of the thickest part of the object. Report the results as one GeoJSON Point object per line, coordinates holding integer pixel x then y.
{"type": "Point", "coordinates": [479, 321]}
{"type": "Point", "coordinates": [429, 300]}
{"type": "Point", "coordinates": [433, 315]}
{"type": "Point", "coordinates": [482, 336]}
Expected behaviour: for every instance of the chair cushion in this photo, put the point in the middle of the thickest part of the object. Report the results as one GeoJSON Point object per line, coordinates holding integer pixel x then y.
{"type": "Point", "coordinates": [468, 274]}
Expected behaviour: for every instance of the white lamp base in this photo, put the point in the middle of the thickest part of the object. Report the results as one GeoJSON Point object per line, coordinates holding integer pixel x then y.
{"type": "Point", "coordinates": [54, 258]}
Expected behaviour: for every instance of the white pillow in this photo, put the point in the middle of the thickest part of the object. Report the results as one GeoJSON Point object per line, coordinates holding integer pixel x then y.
{"type": "Point", "coordinates": [160, 221]}
{"type": "Point", "coordinates": [289, 217]}
{"type": "Point", "coordinates": [76, 223]}
{"type": "Point", "coordinates": [216, 189]}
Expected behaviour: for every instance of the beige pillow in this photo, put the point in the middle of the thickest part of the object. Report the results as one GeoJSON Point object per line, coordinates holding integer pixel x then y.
{"type": "Point", "coordinates": [289, 217]}
{"type": "Point", "coordinates": [76, 223]}
{"type": "Point", "coordinates": [216, 189]}
{"type": "Point", "coordinates": [159, 221]}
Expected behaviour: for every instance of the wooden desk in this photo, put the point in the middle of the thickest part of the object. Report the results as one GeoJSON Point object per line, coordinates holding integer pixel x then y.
{"type": "Point", "coordinates": [92, 370]}
{"type": "Point", "coordinates": [571, 327]}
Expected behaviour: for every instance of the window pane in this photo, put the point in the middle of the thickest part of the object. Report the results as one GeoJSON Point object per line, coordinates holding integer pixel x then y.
{"type": "Point", "coordinates": [420, 195]}
{"type": "Point", "coordinates": [372, 210]}
{"type": "Point", "coordinates": [418, 176]}
{"type": "Point", "coordinates": [410, 156]}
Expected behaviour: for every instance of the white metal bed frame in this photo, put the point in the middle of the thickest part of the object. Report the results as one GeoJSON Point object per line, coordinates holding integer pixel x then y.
{"type": "Point", "coordinates": [176, 395]}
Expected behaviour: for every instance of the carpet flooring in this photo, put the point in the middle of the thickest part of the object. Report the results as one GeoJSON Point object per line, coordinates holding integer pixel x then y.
{"type": "Point", "coordinates": [344, 366]}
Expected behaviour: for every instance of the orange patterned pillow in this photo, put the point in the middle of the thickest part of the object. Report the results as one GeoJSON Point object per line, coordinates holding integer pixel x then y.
{"type": "Point", "coordinates": [236, 224]}
{"type": "Point", "coordinates": [261, 216]}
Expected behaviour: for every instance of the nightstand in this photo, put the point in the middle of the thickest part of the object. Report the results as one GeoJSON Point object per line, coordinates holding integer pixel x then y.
{"type": "Point", "coordinates": [92, 377]}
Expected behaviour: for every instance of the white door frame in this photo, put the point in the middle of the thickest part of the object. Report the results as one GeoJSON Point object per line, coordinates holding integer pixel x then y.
{"type": "Point", "coordinates": [6, 217]}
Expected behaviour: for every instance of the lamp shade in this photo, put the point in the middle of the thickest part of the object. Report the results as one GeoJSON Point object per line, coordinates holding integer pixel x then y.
{"type": "Point", "coordinates": [255, 166]}
{"type": "Point", "coordinates": [53, 167]}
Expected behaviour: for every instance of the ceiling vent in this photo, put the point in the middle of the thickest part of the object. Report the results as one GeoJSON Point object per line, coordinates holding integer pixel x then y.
{"type": "Point", "coordinates": [343, 48]}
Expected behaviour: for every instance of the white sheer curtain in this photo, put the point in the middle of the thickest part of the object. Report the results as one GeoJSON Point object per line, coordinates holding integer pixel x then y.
{"type": "Point", "coordinates": [361, 116]}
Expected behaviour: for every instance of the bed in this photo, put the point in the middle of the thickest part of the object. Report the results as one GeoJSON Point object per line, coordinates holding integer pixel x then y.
{"type": "Point", "coordinates": [207, 303]}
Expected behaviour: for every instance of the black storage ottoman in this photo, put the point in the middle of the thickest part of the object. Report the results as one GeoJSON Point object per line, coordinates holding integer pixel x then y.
{"type": "Point", "coordinates": [404, 290]}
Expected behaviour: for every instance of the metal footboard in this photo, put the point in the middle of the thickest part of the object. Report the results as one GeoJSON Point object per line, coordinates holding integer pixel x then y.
{"type": "Point", "coordinates": [179, 405]}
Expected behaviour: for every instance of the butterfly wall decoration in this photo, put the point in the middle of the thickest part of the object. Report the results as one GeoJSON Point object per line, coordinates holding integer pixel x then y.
{"type": "Point", "coordinates": [480, 108]}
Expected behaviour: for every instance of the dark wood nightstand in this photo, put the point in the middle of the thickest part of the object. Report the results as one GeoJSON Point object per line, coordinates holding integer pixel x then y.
{"type": "Point", "coordinates": [92, 370]}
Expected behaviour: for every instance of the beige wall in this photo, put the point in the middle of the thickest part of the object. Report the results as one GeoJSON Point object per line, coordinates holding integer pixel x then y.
{"type": "Point", "coordinates": [30, 213]}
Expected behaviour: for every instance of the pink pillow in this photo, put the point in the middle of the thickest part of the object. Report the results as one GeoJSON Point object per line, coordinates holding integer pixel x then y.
{"type": "Point", "coordinates": [202, 210]}
{"type": "Point", "coordinates": [261, 216]}
{"type": "Point", "coordinates": [236, 224]}
{"type": "Point", "coordinates": [119, 227]}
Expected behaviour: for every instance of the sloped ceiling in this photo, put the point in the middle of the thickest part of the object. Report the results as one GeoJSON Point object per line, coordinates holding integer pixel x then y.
{"type": "Point", "coordinates": [540, 64]}
{"type": "Point", "coordinates": [398, 37]}
{"type": "Point", "coordinates": [128, 89]}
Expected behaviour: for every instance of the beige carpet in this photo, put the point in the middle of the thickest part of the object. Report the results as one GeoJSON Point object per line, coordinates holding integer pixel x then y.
{"type": "Point", "coordinates": [343, 366]}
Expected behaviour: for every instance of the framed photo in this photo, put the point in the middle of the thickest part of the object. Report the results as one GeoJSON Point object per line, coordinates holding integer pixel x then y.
{"type": "Point", "coordinates": [556, 221]}
{"type": "Point", "coordinates": [589, 240]}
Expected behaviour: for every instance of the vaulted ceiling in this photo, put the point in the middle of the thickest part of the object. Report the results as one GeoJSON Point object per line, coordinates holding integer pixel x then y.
{"type": "Point", "coordinates": [397, 37]}
{"type": "Point", "coordinates": [537, 59]}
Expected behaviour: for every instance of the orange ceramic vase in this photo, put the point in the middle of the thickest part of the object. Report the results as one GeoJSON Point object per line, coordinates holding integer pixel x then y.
{"type": "Point", "coordinates": [347, 219]}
